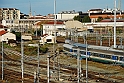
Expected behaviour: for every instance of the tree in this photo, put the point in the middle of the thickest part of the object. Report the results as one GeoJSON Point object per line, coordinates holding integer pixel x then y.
{"type": "Point", "coordinates": [99, 19]}
{"type": "Point", "coordinates": [86, 19]}
{"type": "Point", "coordinates": [78, 18]}
{"type": "Point", "coordinates": [82, 19]}
{"type": "Point", "coordinates": [18, 36]}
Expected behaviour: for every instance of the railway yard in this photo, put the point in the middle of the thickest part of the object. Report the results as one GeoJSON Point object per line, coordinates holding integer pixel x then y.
{"type": "Point", "coordinates": [63, 69]}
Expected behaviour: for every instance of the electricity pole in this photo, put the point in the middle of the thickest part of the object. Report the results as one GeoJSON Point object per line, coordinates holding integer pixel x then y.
{"type": "Point", "coordinates": [54, 34]}
{"type": "Point", "coordinates": [22, 57]}
{"type": "Point", "coordinates": [78, 66]}
{"type": "Point", "coordinates": [115, 25]}
{"type": "Point", "coordinates": [86, 61]}
{"type": "Point", "coordinates": [38, 57]}
{"type": "Point", "coordinates": [2, 61]}
{"type": "Point", "coordinates": [48, 69]}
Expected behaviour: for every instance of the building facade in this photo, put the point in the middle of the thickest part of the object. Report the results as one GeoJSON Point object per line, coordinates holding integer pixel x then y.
{"type": "Point", "coordinates": [5, 36]}
{"type": "Point", "coordinates": [51, 29]}
{"type": "Point", "coordinates": [66, 15]}
{"type": "Point", "coordinates": [94, 14]}
{"type": "Point", "coordinates": [9, 13]}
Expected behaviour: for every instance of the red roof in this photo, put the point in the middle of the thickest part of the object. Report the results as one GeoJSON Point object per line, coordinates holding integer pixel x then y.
{"type": "Point", "coordinates": [44, 35]}
{"type": "Point", "coordinates": [2, 32]}
{"type": "Point", "coordinates": [112, 20]}
{"type": "Point", "coordinates": [52, 22]}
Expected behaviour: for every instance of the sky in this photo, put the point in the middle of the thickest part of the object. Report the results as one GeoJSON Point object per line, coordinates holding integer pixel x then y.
{"type": "Point", "coordinates": [45, 7]}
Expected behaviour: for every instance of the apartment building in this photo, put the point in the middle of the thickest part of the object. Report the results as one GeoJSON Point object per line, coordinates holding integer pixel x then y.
{"type": "Point", "coordinates": [94, 14]}
{"type": "Point", "coordinates": [66, 15]}
{"type": "Point", "coordinates": [9, 13]}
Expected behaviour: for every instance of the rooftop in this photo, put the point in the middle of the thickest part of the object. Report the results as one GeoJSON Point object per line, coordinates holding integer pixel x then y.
{"type": "Point", "coordinates": [2, 32]}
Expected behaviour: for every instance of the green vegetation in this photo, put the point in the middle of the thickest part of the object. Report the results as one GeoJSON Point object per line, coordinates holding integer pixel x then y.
{"type": "Point", "coordinates": [82, 19]}
{"type": "Point", "coordinates": [78, 18]}
{"type": "Point", "coordinates": [30, 50]}
{"type": "Point", "coordinates": [99, 19]}
{"type": "Point", "coordinates": [18, 35]}
{"type": "Point", "coordinates": [86, 19]}
{"type": "Point", "coordinates": [43, 49]}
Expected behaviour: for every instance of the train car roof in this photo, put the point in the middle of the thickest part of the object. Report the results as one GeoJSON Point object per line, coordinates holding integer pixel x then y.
{"type": "Point", "coordinates": [98, 47]}
{"type": "Point", "coordinates": [68, 46]}
{"type": "Point", "coordinates": [80, 45]}
{"type": "Point", "coordinates": [107, 52]}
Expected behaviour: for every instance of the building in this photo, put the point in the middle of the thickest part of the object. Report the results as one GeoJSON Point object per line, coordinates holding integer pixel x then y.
{"type": "Point", "coordinates": [94, 14]}
{"type": "Point", "coordinates": [106, 26]}
{"type": "Point", "coordinates": [70, 25]}
{"type": "Point", "coordinates": [95, 11]}
{"type": "Point", "coordinates": [66, 15]}
{"type": "Point", "coordinates": [26, 37]}
{"type": "Point", "coordinates": [50, 27]}
{"type": "Point", "coordinates": [47, 39]}
{"type": "Point", "coordinates": [4, 28]}
{"type": "Point", "coordinates": [5, 36]}
{"type": "Point", "coordinates": [74, 28]}
{"type": "Point", "coordinates": [9, 13]}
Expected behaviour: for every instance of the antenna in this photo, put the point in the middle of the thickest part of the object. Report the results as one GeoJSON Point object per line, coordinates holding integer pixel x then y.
{"type": "Point", "coordinates": [119, 4]}
{"type": "Point", "coordinates": [30, 14]}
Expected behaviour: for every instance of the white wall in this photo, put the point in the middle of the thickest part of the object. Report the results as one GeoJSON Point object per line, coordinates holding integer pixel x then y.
{"type": "Point", "coordinates": [66, 16]}
{"type": "Point", "coordinates": [49, 28]}
{"type": "Point", "coordinates": [8, 36]}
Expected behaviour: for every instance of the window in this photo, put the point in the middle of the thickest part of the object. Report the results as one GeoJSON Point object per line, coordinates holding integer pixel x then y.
{"type": "Point", "coordinates": [82, 52]}
{"type": "Point", "coordinates": [114, 57]}
{"type": "Point", "coordinates": [75, 50]}
{"type": "Point", "coordinates": [96, 54]}
{"type": "Point", "coordinates": [108, 56]}
{"type": "Point", "coordinates": [121, 58]}
{"type": "Point", "coordinates": [102, 55]}
{"type": "Point", "coordinates": [49, 40]}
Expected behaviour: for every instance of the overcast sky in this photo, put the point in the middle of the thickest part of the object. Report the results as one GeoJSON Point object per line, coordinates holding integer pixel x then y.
{"type": "Point", "coordinates": [45, 7]}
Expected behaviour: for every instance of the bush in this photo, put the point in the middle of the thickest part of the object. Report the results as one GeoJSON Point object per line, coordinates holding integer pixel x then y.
{"type": "Point", "coordinates": [44, 49]}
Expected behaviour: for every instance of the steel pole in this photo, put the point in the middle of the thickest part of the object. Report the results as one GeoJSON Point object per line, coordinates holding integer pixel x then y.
{"type": "Point", "coordinates": [78, 66]}
{"type": "Point", "coordinates": [2, 61]}
{"type": "Point", "coordinates": [38, 57]}
{"type": "Point", "coordinates": [115, 25]}
{"type": "Point", "coordinates": [22, 57]}
{"type": "Point", "coordinates": [86, 61]}
{"type": "Point", "coordinates": [48, 70]}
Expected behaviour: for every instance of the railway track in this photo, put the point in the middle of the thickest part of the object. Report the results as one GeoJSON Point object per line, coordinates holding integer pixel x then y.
{"type": "Point", "coordinates": [12, 75]}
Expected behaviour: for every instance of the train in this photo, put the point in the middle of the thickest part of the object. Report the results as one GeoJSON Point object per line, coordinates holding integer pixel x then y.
{"type": "Point", "coordinates": [96, 53]}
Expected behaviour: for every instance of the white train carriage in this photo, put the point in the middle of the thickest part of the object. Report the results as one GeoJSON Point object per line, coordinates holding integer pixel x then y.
{"type": "Point", "coordinates": [96, 53]}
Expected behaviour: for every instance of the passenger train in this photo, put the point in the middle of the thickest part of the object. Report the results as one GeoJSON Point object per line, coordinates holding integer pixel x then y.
{"type": "Point", "coordinates": [95, 53]}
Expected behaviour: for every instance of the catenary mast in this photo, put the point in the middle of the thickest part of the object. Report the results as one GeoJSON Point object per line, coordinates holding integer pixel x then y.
{"type": "Point", "coordinates": [115, 24]}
